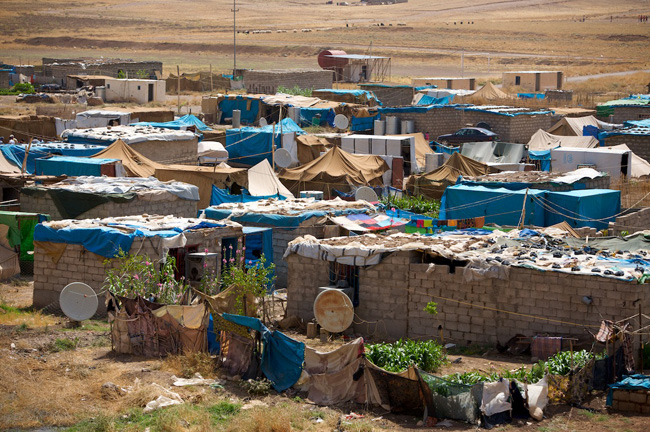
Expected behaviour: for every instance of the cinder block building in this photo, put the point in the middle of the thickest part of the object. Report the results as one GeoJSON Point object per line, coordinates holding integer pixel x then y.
{"type": "Point", "coordinates": [478, 301]}
{"type": "Point", "coordinates": [56, 70]}
{"type": "Point", "coordinates": [534, 81]}
{"type": "Point", "coordinates": [81, 259]}
{"type": "Point", "coordinates": [268, 81]}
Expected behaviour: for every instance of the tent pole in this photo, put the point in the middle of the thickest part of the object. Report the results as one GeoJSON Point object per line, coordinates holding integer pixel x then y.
{"type": "Point", "coordinates": [178, 88]}
{"type": "Point", "coordinates": [273, 147]}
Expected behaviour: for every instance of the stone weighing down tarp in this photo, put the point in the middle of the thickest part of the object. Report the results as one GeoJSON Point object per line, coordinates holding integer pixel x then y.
{"type": "Point", "coordinates": [336, 169]}
{"type": "Point", "coordinates": [128, 134]}
{"type": "Point", "coordinates": [289, 213]}
{"type": "Point", "coordinates": [107, 237]}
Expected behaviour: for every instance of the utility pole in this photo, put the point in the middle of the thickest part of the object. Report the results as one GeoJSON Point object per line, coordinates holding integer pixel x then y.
{"type": "Point", "coordinates": [462, 63]}
{"type": "Point", "coordinates": [234, 37]}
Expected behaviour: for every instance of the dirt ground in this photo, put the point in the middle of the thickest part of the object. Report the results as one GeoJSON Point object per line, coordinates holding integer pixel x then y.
{"type": "Point", "coordinates": [52, 377]}
{"type": "Point", "coordinates": [424, 37]}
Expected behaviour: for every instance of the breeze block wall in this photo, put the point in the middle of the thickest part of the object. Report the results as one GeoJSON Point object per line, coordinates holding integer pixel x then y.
{"type": "Point", "coordinates": [636, 401]}
{"type": "Point", "coordinates": [435, 122]}
{"type": "Point", "coordinates": [394, 293]}
{"type": "Point", "coordinates": [625, 113]}
{"type": "Point", "coordinates": [633, 222]}
{"type": "Point", "coordinates": [168, 152]}
{"type": "Point", "coordinates": [639, 144]}
{"type": "Point", "coordinates": [169, 205]}
{"type": "Point", "coordinates": [516, 129]}
{"type": "Point", "coordinates": [79, 265]}
{"type": "Point", "coordinates": [267, 82]}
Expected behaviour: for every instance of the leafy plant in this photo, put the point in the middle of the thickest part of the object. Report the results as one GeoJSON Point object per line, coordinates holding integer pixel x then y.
{"type": "Point", "coordinates": [121, 74]}
{"type": "Point", "coordinates": [259, 387]}
{"type": "Point", "coordinates": [432, 308]}
{"type": "Point", "coordinates": [250, 278]}
{"type": "Point", "coordinates": [138, 275]}
{"type": "Point", "coordinates": [415, 204]}
{"type": "Point", "coordinates": [295, 90]}
{"type": "Point", "coordinates": [26, 88]}
{"type": "Point", "coordinates": [142, 74]}
{"type": "Point", "coordinates": [397, 356]}
{"type": "Point", "coordinates": [65, 344]}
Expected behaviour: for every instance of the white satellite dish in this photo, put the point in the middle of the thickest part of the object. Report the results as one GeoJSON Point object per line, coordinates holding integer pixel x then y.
{"type": "Point", "coordinates": [341, 121]}
{"type": "Point", "coordinates": [263, 122]}
{"type": "Point", "coordinates": [364, 193]}
{"type": "Point", "coordinates": [333, 310]}
{"type": "Point", "coordinates": [283, 158]}
{"type": "Point", "coordinates": [78, 301]}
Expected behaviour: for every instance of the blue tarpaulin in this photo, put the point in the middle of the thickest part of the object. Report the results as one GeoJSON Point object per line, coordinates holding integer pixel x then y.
{"type": "Point", "coordinates": [544, 156]}
{"type": "Point", "coordinates": [357, 93]}
{"type": "Point", "coordinates": [531, 95]}
{"type": "Point", "coordinates": [221, 196]}
{"type": "Point", "coordinates": [638, 123]}
{"type": "Point", "coordinates": [180, 123]}
{"type": "Point", "coordinates": [430, 100]}
{"type": "Point", "coordinates": [500, 206]}
{"type": "Point", "coordinates": [275, 220]}
{"type": "Point", "coordinates": [358, 124]}
{"type": "Point", "coordinates": [249, 107]}
{"type": "Point", "coordinates": [70, 166]}
{"type": "Point", "coordinates": [308, 114]}
{"type": "Point", "coordinates": [282, 357]}
{"type": "Point", "coordinates": [105, 240]}
{"type": "Point", "coordinates": [15, 153]}
{"type": "Point", "coordinates": [629, 382]}
{"type": "Point", "coordinates": [582, 208]}
{"type": "Point", "coordinates": [250, 145]}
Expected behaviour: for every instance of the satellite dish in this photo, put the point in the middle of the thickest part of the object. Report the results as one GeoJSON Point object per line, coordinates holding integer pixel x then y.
{"type": "Point", "coordinates": [341, 121]}
{"type": "Point", "coordinates": [263, 122]}
{"type": "Point", "coordinates": [78, 301]}
{"type": "Point", "coordinates": [333, 310]}
{"type": "Point", "coordinates": [366, 194]}
{"type": "Point", "coordinates": [283, 158]}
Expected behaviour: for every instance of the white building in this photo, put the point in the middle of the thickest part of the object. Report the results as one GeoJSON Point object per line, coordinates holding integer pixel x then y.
{"type": "Point", "coordinates": [140, 91]}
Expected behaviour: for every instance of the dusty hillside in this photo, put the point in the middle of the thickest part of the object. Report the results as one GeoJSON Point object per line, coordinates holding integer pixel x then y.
{"type": "Point", "coordinates": [422, 36]}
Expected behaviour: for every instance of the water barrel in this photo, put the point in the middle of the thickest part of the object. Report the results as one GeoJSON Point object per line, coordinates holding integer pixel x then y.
{"type": "Point", "coordinates": [380, 127]}
{"type": "Point", "coordinates": [392, 125]}
{"type": "Point", "coordinates": [236, 119]}
{"type": "Point", "coordinates": [408, 126]}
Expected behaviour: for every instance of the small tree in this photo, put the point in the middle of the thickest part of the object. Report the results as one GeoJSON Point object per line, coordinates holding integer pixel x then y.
{"type": "Point", "coordinates": [26, 88]}
{"type": "Point", "coordinates": [248, 277]}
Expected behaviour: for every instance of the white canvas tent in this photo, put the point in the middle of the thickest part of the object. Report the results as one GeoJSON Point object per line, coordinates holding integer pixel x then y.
{"type": "Point", "coordinates": [639, 167]}
{"type": "Point", "coordinates": [546, 141]}
{"type": "Point", "coordinates": [262, 181]}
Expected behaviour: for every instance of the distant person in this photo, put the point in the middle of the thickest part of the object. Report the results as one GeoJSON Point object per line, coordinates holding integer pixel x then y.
{"type": "Point", "coordinates": [2, 140]}
{"type": "Point", "coordinates": [12, 140]}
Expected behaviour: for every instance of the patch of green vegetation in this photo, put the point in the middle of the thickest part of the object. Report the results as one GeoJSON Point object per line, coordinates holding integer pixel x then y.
{"type": "Point", "coordinates": [223, 411]}
{"type": "Point", "coordinates": [295, 90]}
{"type": "Point", "coordinates": [21, 328]}
{"type": "Point", "coordinates": [397, 356]}
{"type": "Point", "coordinates": [91, 325]}
{"type": "Point", "coordinates": [65, 344]}
{"type": "Point", "coordinates": [415, 204]}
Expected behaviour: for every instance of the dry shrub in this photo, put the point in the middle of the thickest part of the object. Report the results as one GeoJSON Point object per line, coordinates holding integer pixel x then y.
{"type": "Point", "coordinates": [262, 420]}
{"type": "Point", "coordinates": [186, 365]}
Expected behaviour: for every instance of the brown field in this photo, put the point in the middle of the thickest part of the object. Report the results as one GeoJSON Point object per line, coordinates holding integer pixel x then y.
{"type": "Point", "coordinates": [424, 37]}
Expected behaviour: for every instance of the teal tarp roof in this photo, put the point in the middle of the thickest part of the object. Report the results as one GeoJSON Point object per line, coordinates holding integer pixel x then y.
{"type": "Point", "coordinates": [179, 123]}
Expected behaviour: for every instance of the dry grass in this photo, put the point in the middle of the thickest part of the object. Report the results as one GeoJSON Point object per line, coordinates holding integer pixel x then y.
{"type": "Point", "coordinates": [185, 366]}
{"type": "Point", "coordinates": [622, 85]}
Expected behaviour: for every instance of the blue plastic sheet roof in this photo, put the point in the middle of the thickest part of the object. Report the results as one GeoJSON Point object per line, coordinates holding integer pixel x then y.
{"type": "Point", "coordinates": [70, 165]}
{"type": "Point", "coordinates": [282, 221]}
{"type": "Point", "coordinates": [16, 153]}
{"type": "Point", "coordinates": [179, 123]}
{"type": "Point", "coordinates": [106, 240]}
{"type": "Point", "coordinates": [505, 111]}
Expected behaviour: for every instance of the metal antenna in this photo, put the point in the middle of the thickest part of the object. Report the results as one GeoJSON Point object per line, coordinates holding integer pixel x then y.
{"type": "Point", "coordinates": [234, 37]}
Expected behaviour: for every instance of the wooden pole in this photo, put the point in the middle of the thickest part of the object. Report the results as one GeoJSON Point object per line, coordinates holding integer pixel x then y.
{"type": "Point", "coordinates": [211, 84]}
{"type": "Point", "coordinates": [273, 147]}
{"type": "Point", "coordinates": [641, 336]}
{"type": "Point", "coordinates": [22, 170]}
{"type": "Point", "coordinates": [178, 87]}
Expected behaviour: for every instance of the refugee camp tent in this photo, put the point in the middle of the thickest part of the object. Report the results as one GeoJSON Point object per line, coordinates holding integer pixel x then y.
{"type": "Point", "coordinates": [489, 91]}
{"type": "Point", "coordinates": [434, 183]}
{"type": "Point", "coordinates": [579, 208]}
{"type": "Point", "coordinates": [15, 153]}
{"type": "Point", "coordinates": [262, 181]}
{"type": "Point", "coordinates": [250, 145]}
{"type": "Point", "coordinates": [336, 169]}
{"type": "Point", "coordinates": [134, 163]}
{"type": "Point", "coordinates": [639, 166]}
{"type": "Point", "coordinates": [78, 166]}
{"type": "Point", "coordinates": [499, 205]}
{"type": "Point", "coordinates": [546, 141]}
{"type": "Point", "coordinates": [309, 147]}
{"type": "Point", "coordinates": [569, 126]}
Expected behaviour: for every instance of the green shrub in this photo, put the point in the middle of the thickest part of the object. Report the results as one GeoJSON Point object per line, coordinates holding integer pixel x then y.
{"type": "Point", "coordinates": [23, 88]}
{"type": "Point", "coordinates": [397, 356]}
{"type": "Point", "coordinates": [415, 204]}
{"type": "Point", "coordinates": [295, 90]}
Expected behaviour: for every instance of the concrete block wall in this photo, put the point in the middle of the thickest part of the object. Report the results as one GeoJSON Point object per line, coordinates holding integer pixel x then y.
{"type": "Point", "coordinates": [639, 144]}
{"type": "Point", "coordinates": [395, 292]}
{"type": "Point", "coordinates": [169, 205]}
{"type": "Point", "coordinates": [517, 129]}
{"type": "Point", "coordinates": [623, 114]}
{"type": "Point", "coordinates": [636, 401]}
{"type": "Point", "coordinates": [267, 82]}
{"type": "Point", "coordinates": [392, 96]}
{"type": "Point", "coordinates": [435, 122]}
{"type": "Point", "coordinates": [631, 223]}
{"type": "Point", "coordinates": [169, 152]}
{"type": "Point", "coordinates": [79, 265]}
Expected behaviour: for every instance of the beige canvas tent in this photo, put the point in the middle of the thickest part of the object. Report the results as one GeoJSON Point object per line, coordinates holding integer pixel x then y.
{"type": "Point", "coordinates": [489, 92]}
{"type": "Point", "coordinates": [309, 147]}
{"type": "Point", "coordinates": [546, 141]}
{"type": "Point", "coordinates": [336, 169]}
{"type": "Point", "coordinates": [434, 183]}
{"type": "Point", "coordinates": [134, 163]}
{"type": "Point", "coordinates": [7, 167]}
{"type": "Point", "coordinates": [262, 181]}
{"type": "Point", "coordinates": [572, 126]}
